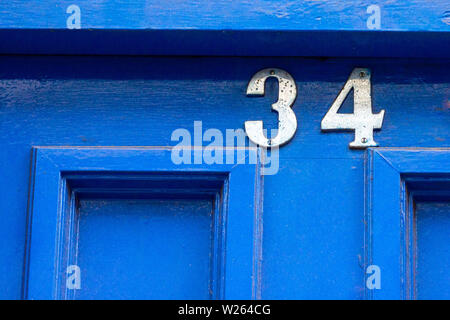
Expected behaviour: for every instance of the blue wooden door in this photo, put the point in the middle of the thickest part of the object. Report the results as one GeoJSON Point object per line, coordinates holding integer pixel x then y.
{"type": "Point", "coordinates": [313, 244]}
{"type": "Point", "coordinates": [433, 249]}
{"type": "Point", "coordinates": [95, 96]}
{"type": "Point", "coordinates": [128, 223]}
{"type": "Point", "coordinates": [407, 233]}
{"type": "Point", "coordinates": [149, 249]}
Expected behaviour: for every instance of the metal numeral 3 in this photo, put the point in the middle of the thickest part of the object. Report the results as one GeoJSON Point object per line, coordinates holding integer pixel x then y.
{"type": "Point", "coordinates": [287, 122]}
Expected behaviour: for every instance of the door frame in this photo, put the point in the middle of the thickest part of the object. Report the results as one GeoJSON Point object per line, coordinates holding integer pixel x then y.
{"type": "Point", "coordinates": [59, 175]}
{"type": "Point", "coordinates": [394, 179]}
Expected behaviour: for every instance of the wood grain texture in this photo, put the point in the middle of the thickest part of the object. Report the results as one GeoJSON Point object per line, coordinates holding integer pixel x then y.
{"type": "Point", "coordinates": [313, 207]}
{"type": "Point", "coordinates": [219, 253]}
{"type": "Point", "coordinates": [418, 28]}
{"type": "Point", "coordinates": [433, 250]}
{"type": "Point", "coordinates": [394, 221]}
{"type": "Point", "coordinates": [416, 15]}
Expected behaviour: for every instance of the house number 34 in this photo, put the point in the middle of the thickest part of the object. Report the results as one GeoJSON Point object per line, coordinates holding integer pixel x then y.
{"type": "Point", "coordinates": [362, 120]}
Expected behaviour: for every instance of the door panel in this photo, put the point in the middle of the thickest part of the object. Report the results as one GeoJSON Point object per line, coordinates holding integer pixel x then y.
{"type": "Point", "coordinates": [407, 222]}
{"type": "Point", "coordinates": [313, 240]}
{"type": "Point", "coordinates": [145, 249]}
{"type": "Point", "coordinates": [433, 250]}
{"type": "Point", "coordinates": [136, 225]}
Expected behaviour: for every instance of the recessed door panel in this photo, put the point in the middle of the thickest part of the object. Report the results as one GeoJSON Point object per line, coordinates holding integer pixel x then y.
{"type": "Point", "coordinates": [407, 223]}
{"type": "Point", "coordinates": [145, 249]}
{"type": "Point", "coordinates": [433, 250]}
{"type": "Point", "coordinates": [127, 223]}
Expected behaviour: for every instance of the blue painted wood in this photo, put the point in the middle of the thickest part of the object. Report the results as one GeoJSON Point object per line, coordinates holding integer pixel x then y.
{"type": "Point", "coordinates": [413, 15]}
{"type": "Point", "coordinates": [391, 216]}
{"type": "Point", "coordinates": [433, 250]}
{"type": "Point", "coordinates": [144, 249]}
{"type": "Point", "coordinates": [400, 44]}
{"type": "Point", "coordinates": [62, 227]}
{"type": "Point", "coordinates": [296, 28]}
{"type": "Point", "coordinates": [313, 240]}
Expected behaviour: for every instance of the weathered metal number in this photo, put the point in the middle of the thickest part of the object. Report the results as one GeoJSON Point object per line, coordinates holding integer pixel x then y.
{"type": "Point", "coordinates": [362, 120]}
{"type": "Point", "coordinates": [287, 122]}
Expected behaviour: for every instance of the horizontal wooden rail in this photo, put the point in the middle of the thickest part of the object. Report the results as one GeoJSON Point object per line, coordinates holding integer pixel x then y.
{"type": "Point", "coordinates": [414, 29]}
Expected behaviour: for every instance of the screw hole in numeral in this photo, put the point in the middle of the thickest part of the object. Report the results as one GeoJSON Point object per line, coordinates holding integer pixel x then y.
{"type": "Point", "coordinates": [362, 120]}
{"type": "Point", "coordinates": [287, 121]}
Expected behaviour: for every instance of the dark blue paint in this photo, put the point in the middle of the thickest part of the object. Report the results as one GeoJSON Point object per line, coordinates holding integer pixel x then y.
{"type": "Point", "coordinates": [400, 44]}
{"type": "Point", "coordinates": [408, 28]}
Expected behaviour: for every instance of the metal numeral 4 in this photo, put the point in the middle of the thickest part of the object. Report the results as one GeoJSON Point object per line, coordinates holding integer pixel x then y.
{"type": "Point", "coordinates": [362, 120]}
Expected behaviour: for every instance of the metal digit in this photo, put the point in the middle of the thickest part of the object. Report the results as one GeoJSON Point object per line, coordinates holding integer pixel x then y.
{"type": "Point", "coordinates": [362, 120]}
{"type": "Point", "coordinates": [287, 122]}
